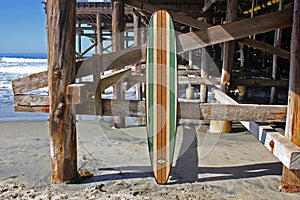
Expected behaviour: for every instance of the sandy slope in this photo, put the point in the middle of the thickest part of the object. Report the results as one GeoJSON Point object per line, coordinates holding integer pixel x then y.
{"type": "Point", "coordinates": [227, 166]}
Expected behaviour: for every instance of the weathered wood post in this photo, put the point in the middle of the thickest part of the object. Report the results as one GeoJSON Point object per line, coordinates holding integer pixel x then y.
{"type": "Point", "coordinates": [117, 25]}
{"type": "Point", "coordinates": [290, 181]}
{"type": "Point", "coordinates": [137, 42]}
{"type": "Point", "coordinates": [241, 88]}
{"type": "Point", "coordinates": [204, 74]}
{"type": "Point", "coordinates": [191, 54]}
{"type": "Point", "coordinates": [204, 67]}
{"type": "Point", "coordinates": [138, 68]}
{"type": "Point", "coordinates": [99, 34]}
{"type": "Point", "coordinates": [275, 75]}
{"type": "Point", "coordinates": [79, 41]}
{"type": "Point", "coordinates": [117, 45]}
{"type": "Point", "coordinates": [61, 72]}
{"type": "Point", "coordinates": [228, 56]}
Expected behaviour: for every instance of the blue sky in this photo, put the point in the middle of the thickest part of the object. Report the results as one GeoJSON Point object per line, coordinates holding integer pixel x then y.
{"type": "Point", "coordinates": [22, 26]}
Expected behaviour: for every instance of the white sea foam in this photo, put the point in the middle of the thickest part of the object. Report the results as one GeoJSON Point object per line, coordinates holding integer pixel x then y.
{"type": "Point", "coordinates": [22, 60]}
{"type": "Point", "coordinates": [16, 67]}
{"type": "Point", "coordinates": [26, 70]}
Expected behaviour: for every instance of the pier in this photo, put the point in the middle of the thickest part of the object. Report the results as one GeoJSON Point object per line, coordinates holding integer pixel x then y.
{"type": "Point", "coordinates": [253, 45]}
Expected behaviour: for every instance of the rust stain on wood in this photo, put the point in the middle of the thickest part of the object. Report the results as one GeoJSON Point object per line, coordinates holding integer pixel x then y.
{"type": "Point", "coordinates": [288, 188]}
{"type": "Point", "coordinates": [272, 145]}
{"type": "Point", "coordinates": [43, 109]}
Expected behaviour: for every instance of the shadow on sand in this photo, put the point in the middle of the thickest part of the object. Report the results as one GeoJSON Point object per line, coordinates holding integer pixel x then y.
{"type": "Point", "coordinates": [187, 169]}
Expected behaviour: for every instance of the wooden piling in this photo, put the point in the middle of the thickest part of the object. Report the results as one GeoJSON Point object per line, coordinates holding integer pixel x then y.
{"type": "Point", "coordinates": [228, 60]}
{"type": "Point", "coordinates": [118, 25]}
{"type": "Point", "coordinates": [117, 45]}
{"type": "Point", "coordinates": [204, 67]}
{"type": "Point", "coordinates": [204, 74]}
{"type": "Point", "coordinates": [79, 43]}
{"type": "Point", "coordinates": [241, 88]}
{"type": "Point", "coordinates": [137, 42]}
{"type": "Point", "coordinates": [290, 181]}
{"type": "Point", "coordinates": [275, 75]}
{"type": "Point", "coordinates": [61, 73]}
{"type": "Point", "coordinates": [99, 34]}
{"type": "Point", "coordinates": [136, 29]}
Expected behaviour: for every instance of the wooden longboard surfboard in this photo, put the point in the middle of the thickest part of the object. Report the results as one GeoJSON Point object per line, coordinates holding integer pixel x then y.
{"type": "Point", "coordinates": [161, 93]}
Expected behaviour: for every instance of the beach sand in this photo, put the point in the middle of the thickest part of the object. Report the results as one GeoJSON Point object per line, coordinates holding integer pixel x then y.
{"type": "Point", "coordinates": [206, 166]}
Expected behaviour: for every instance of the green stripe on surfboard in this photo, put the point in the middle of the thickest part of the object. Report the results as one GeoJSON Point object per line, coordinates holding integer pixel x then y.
{"type": "Point", "coordinates": [150, 91]}
{"type": "Point", "coordinates": [161, 140]}
{"type": "Point", "coordinates": [173, 88]}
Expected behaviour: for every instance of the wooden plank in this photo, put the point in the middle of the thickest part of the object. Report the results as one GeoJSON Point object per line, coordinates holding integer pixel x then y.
{"type": "Point", "coordinates": [113, 60]}
{"type": "Point", "coordinates": [198, 80]}
{"type": "Point", "coordinates": [113, 78]}
{"type": "Point", "coordinates": [279, 145]}
{"type": "Point", "coordinates": [105, 82]}
{"type": "Point", "coordinates": [208, 5]}
{"type": "Point", "coordinates": [228, 112]}
{"type": "Point", "coordinates": [125, 57]}
{"type": "Point", "coordinates": [31, 100]}
{"type": "Point", "coordinates": [206, 111]}
{"type": "Point", "coordinates": [286, 151]}
{"type": "Point", "coordinates": [80, 93]}
{"type": "Point", "coordinates": [291, 178]}
{"type": "Point", "coordinates": [77, 93]}
{"type": "Point", "coordinates": [189, 72]}
{"type": "Point", "coordinates": [29, 83]}
{"type": "Point", "coordinates": [95, 8]}
{"type": "Point", "coordinates": [106, 8]}
{"type": "Point", "coordinates": [61, 32]}
{"type": "Point", "coordinates": [132, 108]}
{"type": "Point", "coordinates": [228, 32]}
{"type": "Point", "coordinates": [181, 80]}
{"type": "Point", "coordinates": [265, 47]}
{"type": "Point", "coordinates": [43, 109]}
{"type": "Point", "coordinates": [222, 97]}
{"type": "Point", "coordinates": [260, 82]}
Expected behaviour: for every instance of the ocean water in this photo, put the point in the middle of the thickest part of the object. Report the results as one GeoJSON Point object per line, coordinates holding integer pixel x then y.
{"type": "Point", "coordinates": [14, 66]}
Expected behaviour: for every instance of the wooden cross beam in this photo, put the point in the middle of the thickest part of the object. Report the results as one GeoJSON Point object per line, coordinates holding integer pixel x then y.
{"type": "Point", "coordinates": [235, 30]}
{"type": "Point", "coordinates": [29, 83]}
{"type": "Point", "coordinates": [287, 152]}
{"type": "Point", "coordinates": [189, 21]}
{"type": "Point", "coordinates": [113, 60]}
{"type": "Point", "coordinates": [208, 5]}
{"type": "Point", "coordinates": [187, 110]}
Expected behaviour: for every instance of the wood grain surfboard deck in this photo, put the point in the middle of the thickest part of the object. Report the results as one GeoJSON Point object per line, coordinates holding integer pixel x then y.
{"type": "Point", "coordinates": [161, 93]}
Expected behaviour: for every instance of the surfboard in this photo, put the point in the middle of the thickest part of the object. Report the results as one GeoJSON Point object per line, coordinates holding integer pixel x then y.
{"type": "Point", "coordinates": [161, 93]}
